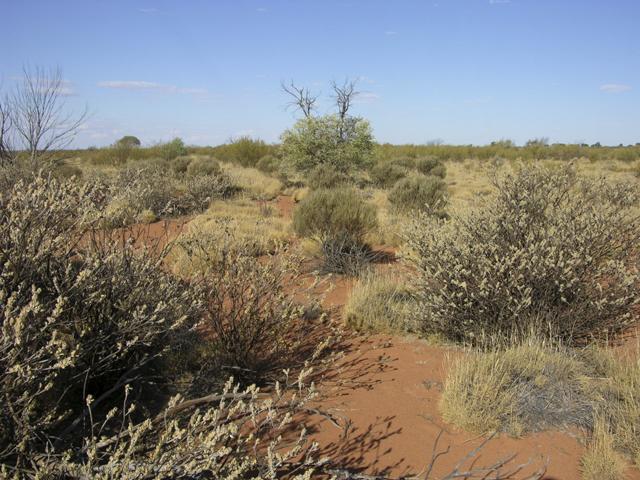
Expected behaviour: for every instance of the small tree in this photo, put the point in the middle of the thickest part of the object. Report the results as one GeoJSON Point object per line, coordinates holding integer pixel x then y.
{"type": "Point", "coordinates": [343, 143]}
{"type": "Point", "coordinates": [129, 141]}
{"type": "Point", "coordinates": [340, 140]}
{"type": "Point", "coordinates": [34, 118]}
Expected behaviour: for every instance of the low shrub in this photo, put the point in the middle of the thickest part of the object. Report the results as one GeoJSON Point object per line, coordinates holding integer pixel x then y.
{"type": "Point", "coordinates": [202, 166]}
{"type": "Point", "coordinates": [250, 316]}
{"type": "Point", "coordinates": [549, 253]}
{"type": "Point", "coordinates": [419, 193]}
{"type": "Point", "coordinates": [326, 177]}
{"type": "Point", "coordinates": [431, 166]}
{"type": "Point", "coordinates": [386, 174]}
{"type": "Point", "coordinates": [339, 220]}
{"type": "Point", "coordinates": [379, 303]}
{"type": "Point", "coordinates": [268, 164]}
{"type": "Point", "coordinates": [179, 165]}
{"type": "Point", "coordinates": [325, 213]}
{"type": "Point", "coordinates": [80, 316]}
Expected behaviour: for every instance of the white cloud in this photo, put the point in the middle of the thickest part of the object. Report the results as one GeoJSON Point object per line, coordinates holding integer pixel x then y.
{"type": "Point", "coordinates": [140, 85]}
{"type": "Point", "coordinates": [390, 33]}
{"type": "Point", "coordinates": [615, 87]}
{"type": "Point", "coordinates": [261, 10]}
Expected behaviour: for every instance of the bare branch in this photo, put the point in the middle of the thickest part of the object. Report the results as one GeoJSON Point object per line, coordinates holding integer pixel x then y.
{"type": "Point", "coordinates": [302, 98]}
{"type": "Point", "coordinates": [7, 155]}
{"type": "Point", "coordinates": [344, 95]}
{"type": "Point", "coordinates": [39, 117]}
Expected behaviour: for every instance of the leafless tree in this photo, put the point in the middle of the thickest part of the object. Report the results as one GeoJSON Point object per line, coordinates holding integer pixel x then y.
{"type": "Point", "coordinates": [302, 98]}
{"type": "Point", "coordinates": [6, 150]}
{"type": "Point", "coordinates": [344, 95]}
{"type": "Point", "coordinates": [39, 120]}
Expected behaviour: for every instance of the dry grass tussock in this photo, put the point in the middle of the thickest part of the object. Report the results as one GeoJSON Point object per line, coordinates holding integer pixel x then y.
{"type": "Point", "coordinates": [256, 184]}
{"type": "Point", "coordinates": [380, 303]}
{"type": "Point", "coordinates": [240, 225]}
{"type": "Point", "coordinates": [536, 385]}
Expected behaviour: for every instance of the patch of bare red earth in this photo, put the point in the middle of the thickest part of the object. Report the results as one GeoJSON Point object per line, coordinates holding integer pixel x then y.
{"type": "Point", "coordinates": [385, 393]}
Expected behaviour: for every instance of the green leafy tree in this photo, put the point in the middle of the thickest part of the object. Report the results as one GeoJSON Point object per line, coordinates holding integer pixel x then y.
{"type": "Point", "coordinates": [340, 140]}
{"type": "Point", "coordinates": [344, 143]}
{"type": "Point", "coordinates": [129, 141]}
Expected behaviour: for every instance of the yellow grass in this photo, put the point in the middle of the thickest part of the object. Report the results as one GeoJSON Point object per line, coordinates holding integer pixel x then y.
{"type": "Point", "coordinates": [255, 183]}
{"type": "Point", "coordinates": [242, 224]}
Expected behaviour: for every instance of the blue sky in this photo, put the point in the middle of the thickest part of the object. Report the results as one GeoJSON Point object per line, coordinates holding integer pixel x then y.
{"type": "Point", "coordinates": [463, 71]}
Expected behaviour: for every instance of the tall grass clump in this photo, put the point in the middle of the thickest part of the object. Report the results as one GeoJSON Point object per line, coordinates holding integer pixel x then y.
{"type": "Point", "coordinates": [338, 220]}
{"type": "Point", "coordinates": [551, 253]}
{"type": "Point", "coordinates": [379, 303]}
{"type": "Point", "coordinates": [535, 385]}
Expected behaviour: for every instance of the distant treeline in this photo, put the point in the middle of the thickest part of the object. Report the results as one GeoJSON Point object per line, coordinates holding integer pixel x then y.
{"type": "Point", "coordinates": [247, 152]}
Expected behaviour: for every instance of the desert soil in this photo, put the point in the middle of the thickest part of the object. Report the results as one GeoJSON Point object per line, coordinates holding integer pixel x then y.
{"type": "Point", "coordinates": [384, 393]}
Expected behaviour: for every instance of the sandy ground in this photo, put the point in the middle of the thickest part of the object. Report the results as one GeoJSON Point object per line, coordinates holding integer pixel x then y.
{"type": "Point", "coordinates": [385, 390]}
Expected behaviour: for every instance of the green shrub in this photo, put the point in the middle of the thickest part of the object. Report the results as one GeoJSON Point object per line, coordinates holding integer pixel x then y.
{"type": "Point", "coordinates": [431, 166]}
{"type": "Point", "coordinates": [202, 166]}
{"type": "Point", "coordinates": [179, 165]}
{"type": "Point", "coordinates": [268, 164]}
{"type": "Point", "coordinates": [326, 177]}
{"type": "Point", "coordinates": [339, 220]}
{"type": "Point", "coordinates": [345, 144]}
{"type": "Point", "coordinates": [550, 253]}
{"type": "Point", "coordinates": [326, 213]}
{"type": "Point", "coordinates": [386, 174]}
{"type": "Point", "coordinates": [170, 150]}
{"type": "Point", "coordinates": [419, 193]}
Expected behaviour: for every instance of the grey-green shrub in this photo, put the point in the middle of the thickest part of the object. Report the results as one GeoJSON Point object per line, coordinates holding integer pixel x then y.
{"type": "Point", "coordinates": [550, 253]}
{"type": "Point", "coordinates": [326, 177]}
{"type": "Point", "coordinates": [419, 193]}
{"type": "Point", "coordinates": [201, 166]}
{"type": "Point", "coordinates": [431, 166]}
{"type": "Point", "coordinates": [78, 318]}
{"type": "Point", "coordinates": [268, 164]}
{"type": "Point", "coordinates": [326, 213]}
{"type": "Point", "coordinates": [339, 220]}
{"type": "Point", "coordinates": [385, 174]}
